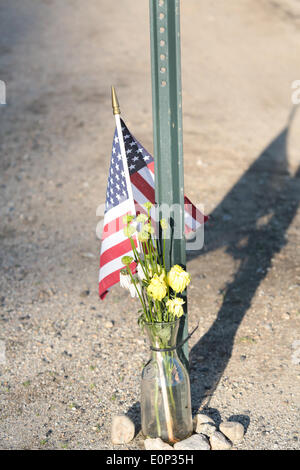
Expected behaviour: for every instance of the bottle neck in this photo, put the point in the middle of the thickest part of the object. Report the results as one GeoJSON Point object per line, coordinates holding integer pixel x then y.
{"type": "Point", "coordinates": [163, 336]}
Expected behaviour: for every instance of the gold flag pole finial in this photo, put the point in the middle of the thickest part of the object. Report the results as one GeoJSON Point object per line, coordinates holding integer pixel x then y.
{"type": "Point", "coordinates": [114, 101]}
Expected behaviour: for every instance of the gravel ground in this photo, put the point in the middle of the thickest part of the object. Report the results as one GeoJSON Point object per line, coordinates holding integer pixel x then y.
{"type": "Point", "coordinates": [68, 361]}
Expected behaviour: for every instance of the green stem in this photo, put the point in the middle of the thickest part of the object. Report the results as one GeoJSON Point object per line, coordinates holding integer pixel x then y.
{"type": "Point", "coordinates": [164, 254]}
{"type": "Point", "coordinates": [169, 372]}
{"type": "Point", "coordinates": [157, 252]}
{"type": "Point", "coordinates": [134, 283]}
{"type": "Point", "coordinates": [139, 259]}
{"type": "Point", "coordinates": [151, 259]}
{"type": "Point", "coordinates": [157, 304]}
{"type": "Point", "coordinates": [150, 307]}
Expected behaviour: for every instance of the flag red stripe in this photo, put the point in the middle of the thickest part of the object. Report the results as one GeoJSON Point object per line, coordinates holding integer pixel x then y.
{"type": "Point", "coordinates": [108, 282]}
{"type": "Point", "coordinates": [193, 211]}
{"type": "Point", "coordinates": [111, 280]}
{"type": "Point", "coordinates": [114, 226]}
{"type": "Point", "coordinates": [143, 186]}
{"type": "Point", "coordinates": [151, 166]}
{"type": "Point", "coordinates": [115, 251]}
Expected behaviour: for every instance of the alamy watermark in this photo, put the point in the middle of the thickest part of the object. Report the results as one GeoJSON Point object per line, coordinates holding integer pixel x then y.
{"type": "Point", "coordinates": [2, 92]}
{"type": "Point", "coordinates": [296, 93]}
{"type": "Point", "coordinates": [193, 224]}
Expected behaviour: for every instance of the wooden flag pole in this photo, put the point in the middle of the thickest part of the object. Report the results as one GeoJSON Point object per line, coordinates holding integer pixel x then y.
{"type": "Point", "coordinates": [117, 112]}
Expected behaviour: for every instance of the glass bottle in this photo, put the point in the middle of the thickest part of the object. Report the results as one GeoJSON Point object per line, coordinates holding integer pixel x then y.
{"type": "Point", "coordinates": [165, 394]}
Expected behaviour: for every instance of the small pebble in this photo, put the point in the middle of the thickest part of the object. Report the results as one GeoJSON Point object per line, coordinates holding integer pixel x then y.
{"type": "Point", "coordinates": [85, 293]}
{"type": "Point", "coordinates": [108, 324]}
{"type": "Point", "coordinates": [195, 442]}
{"type": "Point", "coordinates": [234, 431]}
{"type": "Point", "coordinates": [88, 255]}
{"type": "Point", "coordinates": [200, 419]}
{"type": "Point", "coordinates": [122, 429]}
{"type": "Point", "coordinates": [219, 442]}
{"type": "Point", "coordinates": [156, 444]}
{"type": "Point", "coordinates": [206, 428]}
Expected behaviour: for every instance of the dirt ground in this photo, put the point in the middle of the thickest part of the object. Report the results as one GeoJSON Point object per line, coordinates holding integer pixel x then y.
{"type": "Point", "coordinates": [64, 371]}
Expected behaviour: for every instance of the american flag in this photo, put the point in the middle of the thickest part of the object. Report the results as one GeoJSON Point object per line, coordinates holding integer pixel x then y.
{"type": "Point", "coordinates": [115, 244]}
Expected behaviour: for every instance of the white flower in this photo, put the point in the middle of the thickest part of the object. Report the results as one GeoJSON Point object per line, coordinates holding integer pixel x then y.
{"type": "Point", "coordinates": [125, 280]}
{"type": "Point", "coordinates": [140, 272]}
{"type": "Point", "coordinates": [133, 288]}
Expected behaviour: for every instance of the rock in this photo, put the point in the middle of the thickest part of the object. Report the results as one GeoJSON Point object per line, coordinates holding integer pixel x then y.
{"type": "Point", "coordinates": [234, 431]}
{"type": "Point", "coordinates": [219, 442]}
{"type": "Point", "coordinates": [195, 442]}
{"type": "Point", "coordinates": [85, 293]}
{"type": "Point", "coordinates": [156, 444]}
{"type": "Point", "coordinates": [109, 324]}
{"type": "Point", "coordinates": [200, 419]}
{"type": "Point", "coordinates": [87, 255]}
{"type": "Point", "coordinates": [205, 428]}
{"type": "Point", "coordinates": [122, 429]}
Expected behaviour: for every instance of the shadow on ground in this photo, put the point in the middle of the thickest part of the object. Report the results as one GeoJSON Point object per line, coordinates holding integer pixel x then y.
{"type": "Point", "coordinates": [251, 222]}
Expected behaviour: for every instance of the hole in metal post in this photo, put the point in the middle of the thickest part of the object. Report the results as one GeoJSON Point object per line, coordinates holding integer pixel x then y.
{"type": "Point", "coordinates": [162, 43]}
{"type": "Point", "coordinates": [163, 83]}
{"type": "Point", "coordinates": [162, 29]}
{"type": "Point", "coordinates": [162, 57]}
{"type": "Point", "coordinates": [161, 3]}
{"type": "Point", "coordinates": [163, 69]}
{"type": "Point", "coordinates": [161, 16]}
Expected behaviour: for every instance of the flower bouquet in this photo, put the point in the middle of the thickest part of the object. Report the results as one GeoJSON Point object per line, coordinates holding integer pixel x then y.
{"type": "Point", "coordinates": [165, 400]}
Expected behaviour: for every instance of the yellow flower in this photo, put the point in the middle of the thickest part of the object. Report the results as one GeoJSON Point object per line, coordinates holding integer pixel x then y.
{"type": "Point", "coordinates": [142, 218]}
{"type": "Point", "coordinates": [129, 230]}
{"type": "Point", "coordinates": [127, 260]}
{"type": "Point", "coordinates": [127, 219]}
{"type": "Point", "coordinates": [143, 236]}
{"type": "Point", "coordinates": [162, 274]}
{"type": "Point", "coordinates": [178, 278]}
{"type": "Point", "coordinates": [148, 228]}
{"type": "Point", "coordinates": [157, 288]}
{"type": "Point", "coordinates": [148, 205]}
{"type": "Point", "coordinates": [175, 306]}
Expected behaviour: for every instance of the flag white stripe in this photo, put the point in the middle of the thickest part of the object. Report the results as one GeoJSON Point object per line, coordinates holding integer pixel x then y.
{"type": "Point", "coordinates": [138, 196]}
{"type": "Point", "coordinates": [147, 175]}
{"type": "Point", "coordinates": [190, 221]}
{"type": "Point", "coordinates": [112, 240]}
{"type": "Point", "coordinates": [112, 266]}
{"type": "Point", "coordinates": [116, 212]}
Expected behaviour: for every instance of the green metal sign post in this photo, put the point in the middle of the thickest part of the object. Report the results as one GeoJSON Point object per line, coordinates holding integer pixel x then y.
{"type": "Point", "coordinates": [167, 126]}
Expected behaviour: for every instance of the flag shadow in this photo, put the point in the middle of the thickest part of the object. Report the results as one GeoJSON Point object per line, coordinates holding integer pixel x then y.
{"type": "Point", "coordinates": [251, 222]}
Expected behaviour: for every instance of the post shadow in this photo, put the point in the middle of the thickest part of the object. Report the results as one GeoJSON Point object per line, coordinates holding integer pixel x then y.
{"type": "Point", "coordinates": [268, 191]}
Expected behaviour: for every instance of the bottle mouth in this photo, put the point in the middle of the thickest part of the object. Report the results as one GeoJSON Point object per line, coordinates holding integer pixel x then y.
{"type": "Point", "coordinates": [164, 322]}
